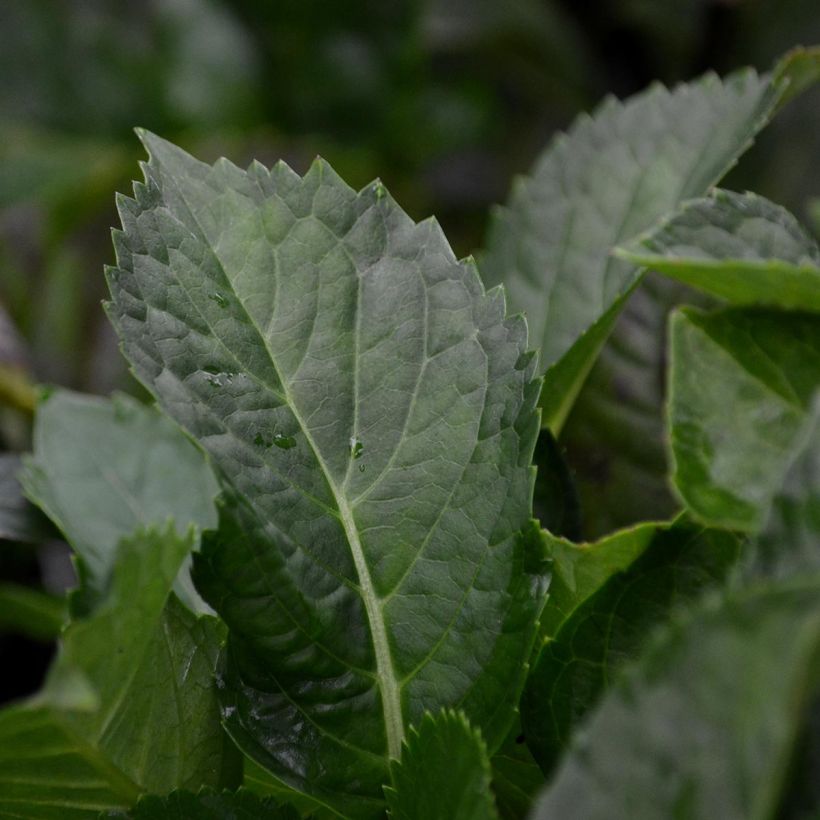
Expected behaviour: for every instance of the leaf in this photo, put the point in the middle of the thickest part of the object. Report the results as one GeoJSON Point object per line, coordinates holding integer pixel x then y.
{"type": "Point", "coordinates": [739, 247]}
{"type": "Point", "coordinates": [615, 437]}
{"type": "Point", "coordinates": [610, 621]}
{"type": "Point", "coordinates": [207, 805]}
{"type": "Point", "coordinates": [31, 612]}
{"type": "Point", "coordinates": [517, 779]}
{"type": "Point", "coordinates": [610, 177]}
{"type": "Point", "coordinates": [20, 520]}
{"type": "Point", "coordinates": [788, 544]}
{"type": "Point", "coordinates": [102, 468]}
{"type": "Point", "coordinates": [444, 773]}
{"type": "Point", "coordinates": [763, 367]}
{"type": "Point", "coordinates": [703, 725]}
{"type": "Point", "coordinates": [129, 705]}
{"type": "Point", "coordinates": [555, 501]}
{"type": "Point", "coordinates": [371, 413]}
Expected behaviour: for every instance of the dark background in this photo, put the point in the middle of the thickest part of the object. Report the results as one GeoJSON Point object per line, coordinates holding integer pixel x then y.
{"type": "Point", "coordinates": [444, 100]}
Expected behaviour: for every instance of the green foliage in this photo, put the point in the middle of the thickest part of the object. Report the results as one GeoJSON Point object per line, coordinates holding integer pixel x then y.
{"type": "Point", "coordinates": [405, 620]}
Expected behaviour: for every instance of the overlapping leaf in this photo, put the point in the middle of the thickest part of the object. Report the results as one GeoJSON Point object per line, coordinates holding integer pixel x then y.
{"type": "Point", "coordinates": [741, 385]}
{"type": "Point", "coordinates": [719, 717]}
{"type": "Point", "coordinates": [371, 412]}
{"type": "Point", "coordinates": [102, 468]}
{"type": "Point", "coordinates": [130, 705]}
{"type": "Point", "coordinates": [444, 773]}
{"type": "Point", "coordinates": [610, 177]}
{"type": "Point", "coordinates": [739, 247]}
{"type": "Point", "coordinates": [608, 597]}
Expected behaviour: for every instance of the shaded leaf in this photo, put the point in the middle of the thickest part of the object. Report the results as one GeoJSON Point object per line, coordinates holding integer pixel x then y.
{"type": "Point", "coordinates": [517, 778]}
{"type": "Point", "coordinates": [703, 725]}
{"type": "Point", "coordinates": [207, 805]}
{"type": "Point", "coordinates": [31, 612]}
{"type": "Point", "coordinates": [555, 501]}
{"type": "Point", "coordinates": [371, 413]}
{"type": "Point", "coordinates": [739, 247]}
{"type": "Point", "coordinates": [444, 773]}
{"type": "Point", "coordinates": [20, 520]}
{"type": "Point", "coordinates": [606, 624]}
{"type": "Point", "coordinates": [129, 705]}
{"type": "Point", "coordinates": [741, 383]}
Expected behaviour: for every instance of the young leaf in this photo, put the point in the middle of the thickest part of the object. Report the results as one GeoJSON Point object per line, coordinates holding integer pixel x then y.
{"type": "Point", "coordinates": [129, 705]}
{"type": "Point", "coordinates": [704, 725]}
{"type": "Point", "coordinates": [102, 468]}
{"type": "Point", "coordinates": [31, 612]}
{"type": "Point", "coordinates": [610, 177]}
{"type": "Point", "coordinates": [609, 622]}
{"type": "Point", "coordinates": [740, 387]}
{"type": "Point", "coordinates": [739, 247]}
{"type": "Point", "coordinates": [206, 805]}
{"type": "Point", "coordinates": [372, 415]}
{"type": "Point", "coordinates": [444, 773]}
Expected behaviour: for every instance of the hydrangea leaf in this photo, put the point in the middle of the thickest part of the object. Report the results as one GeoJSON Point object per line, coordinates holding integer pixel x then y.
{"type": "Point", "coordinates": [130, 704]}
{"type": "Point", "coordinates": [206, 805]}
{"type": "Point", "coordinates": [101, 468]}
{"type": "Point", "coordinates": [606, 624]}
{"type": "Point", "coordinates": [612, 176]}
{"type": "Point", "coordinates": [705, 722]}
{"type": "Point", "coordinates": [372, 415]}
{"type": "Point", "coordinates": [739, 247]}
{"type": "Point", "coordinates": [444, 773]}
{"type": "Point", "coordinates": [20, 520]}
{"type": "Point", "coordinates": [763, 367]}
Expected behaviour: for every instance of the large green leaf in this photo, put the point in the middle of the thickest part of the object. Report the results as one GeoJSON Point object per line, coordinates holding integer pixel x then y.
{"type": "Point", "coordinates": [207, 805]}
{"type": "Point", "coordinates": [372, 415]}
{"type": "Point", "coordinates": [610, 177]}
{"type": "Point", "coordinates": [130, 704]}
{"type": "Point", "coordinates": [740, 247]}
{"type": "Point", "coordinates": [718, 718]}
{"type": "Point", "coordinates": [444, 773]}
{"type": "Point", "coordinates": [704, 725]}
{"type": "Point", "coordinates": [101, 468]}
{"type": "Point", "coordinates": [607, 624]}
{"type": "Point", "coordinates": [741, 384]}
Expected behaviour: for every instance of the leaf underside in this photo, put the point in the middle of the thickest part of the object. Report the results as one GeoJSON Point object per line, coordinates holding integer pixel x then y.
{"type": "Point", "coordinates": [372, 416]}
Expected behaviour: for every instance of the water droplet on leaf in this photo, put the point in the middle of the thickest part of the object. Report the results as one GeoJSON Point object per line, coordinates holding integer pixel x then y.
{"type": "Point", "coordinates": [284, 442]}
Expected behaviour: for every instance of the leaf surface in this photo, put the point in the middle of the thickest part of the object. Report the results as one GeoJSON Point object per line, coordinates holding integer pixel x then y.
{"type": "Point", "coordinates": [102, 468]}
{"type": "Point", "coordinates": [444, 773]}
{"type": "Point", "coordinates": [207, 805]}
{"type": "Point", "coordinates": [609, 178]}
{"type": "Point", "coordinates": [129, 705]}
{"type": "Point", "coordinates": [739, 247]}
{"type": "Point", "coordinates": [20, 520]}
{"type": "Point", "coordinates": [705, 722]}
{"type": "Point", "coordinates": [741, 385]}
{"type": "Point", "coordinates": [371, 413]}
{"type": "Point", "coordinates": [605, 623]}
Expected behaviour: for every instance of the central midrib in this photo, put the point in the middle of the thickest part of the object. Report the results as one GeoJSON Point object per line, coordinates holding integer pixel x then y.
{"type": "Point", "coordinates": [385, 673]}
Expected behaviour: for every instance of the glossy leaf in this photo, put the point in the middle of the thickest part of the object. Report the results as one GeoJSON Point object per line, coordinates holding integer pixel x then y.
{"type": "Point", "coordinates": [741, 384]}
{"type": "Point", "coordinates": [371, 413]}
{"type": "Point", "coordinates": [206, 805]}
{"type": "Point", "coordinates": [672, 566]}
{"type": "Point", "coordinates": [444, 773]}
{"type": "Point", "coordinates": [129, 705]}
{"type": "Point", "coordinates": [102, 468]}
{"type": "Point", "coordinates": [739, 247]}
{"type": "Point", "coordinates": [610, 177]}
